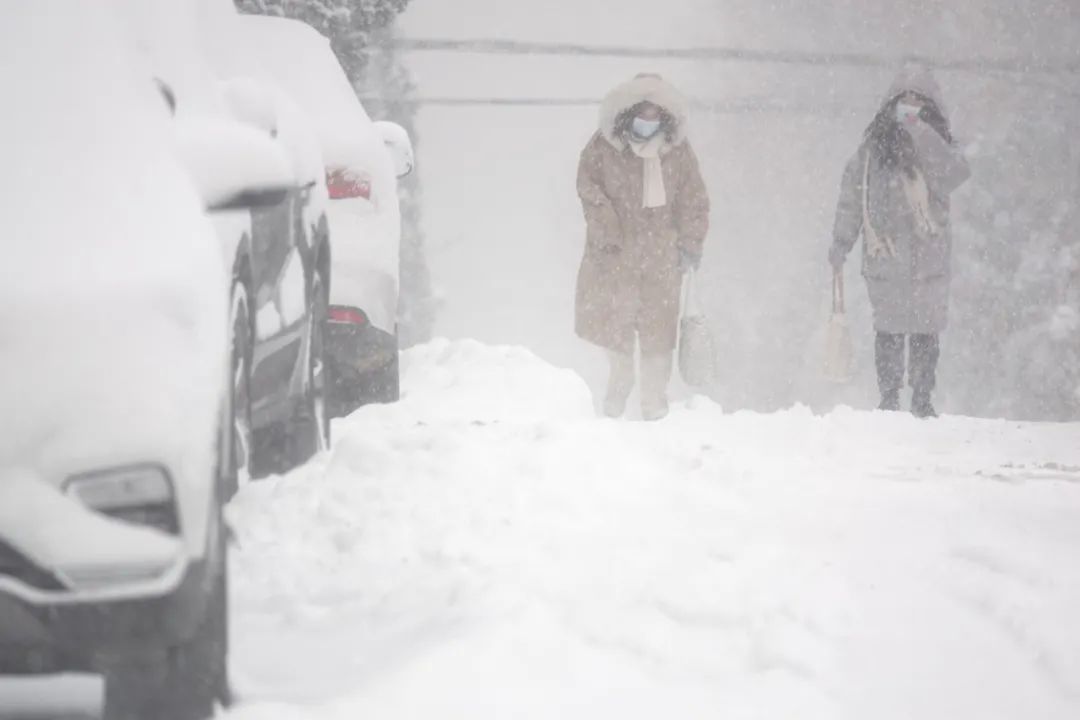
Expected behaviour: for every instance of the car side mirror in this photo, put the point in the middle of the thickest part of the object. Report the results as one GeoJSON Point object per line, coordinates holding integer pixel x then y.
{"type": "Point", "coordinates": [397, 142]}
{"type": "Point", "coordinates": [233, 164]}
{"type": "Point", "coordinates": [252, 199]}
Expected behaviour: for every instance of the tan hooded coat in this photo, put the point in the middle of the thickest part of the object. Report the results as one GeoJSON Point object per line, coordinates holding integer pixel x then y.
{"type": "Point", "coordinates": [629, 280]}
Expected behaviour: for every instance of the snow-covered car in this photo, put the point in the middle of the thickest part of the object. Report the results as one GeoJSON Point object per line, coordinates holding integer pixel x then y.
{"type": "Point", "coordinates": [364, 160]}
{"type": "Point", "coordinates": [278, 254]}
{"type": "Point", "coordinates": [117, 436]}
{"type": "Point", "coordinates": [281, 272]}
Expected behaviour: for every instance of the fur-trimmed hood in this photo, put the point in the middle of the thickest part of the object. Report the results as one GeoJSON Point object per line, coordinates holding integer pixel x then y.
{"type": "Point", "coordinates": [918, 79]}
{"type": "Point", "coordinates": [643, 88]}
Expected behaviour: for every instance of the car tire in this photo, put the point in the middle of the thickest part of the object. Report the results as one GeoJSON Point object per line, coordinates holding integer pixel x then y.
{"type": "Point", "coordinates": [242, 432]}
{"type": "Point", "coordinates": [308, 433]}
{"type": "Point", "coordinates": [184, 681]}
{"type": "Point", "coordinates": [381, 385]}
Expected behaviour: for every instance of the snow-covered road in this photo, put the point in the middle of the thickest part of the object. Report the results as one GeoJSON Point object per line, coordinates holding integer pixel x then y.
{"type": "Point", "coordinates": [487, 548]}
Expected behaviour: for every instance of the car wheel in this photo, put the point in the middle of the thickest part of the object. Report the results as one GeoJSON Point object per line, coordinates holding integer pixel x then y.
{"type": "Point", "coordinates": [240, 376]}
{"type": "Point", "coordinates": [185, 681]}
{"type": "Point", "coordinates": [382, 385]}
{"type": "Point", "coordinates": [309, 432]}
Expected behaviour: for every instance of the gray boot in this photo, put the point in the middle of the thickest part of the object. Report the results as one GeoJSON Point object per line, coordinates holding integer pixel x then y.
{"type": "Point", "coordinates": [655, 374]}
{"type": "Point", "coordinates": [889, 359]}
{"type": "Point", "coordinates": [921, 405]}
{"type": "Point", "coordinates": [620, 383]}
{"type": "Point", "coordinates": [925, 353]}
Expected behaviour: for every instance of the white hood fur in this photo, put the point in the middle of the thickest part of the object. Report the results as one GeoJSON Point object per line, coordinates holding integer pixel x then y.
{"type": "Point", "coordinates": [643, 88]}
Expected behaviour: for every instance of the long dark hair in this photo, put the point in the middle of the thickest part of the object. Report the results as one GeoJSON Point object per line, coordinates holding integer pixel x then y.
{"type": "Point", "coordinates": [890, 142]}
{"type": "Point", "coordinates": [625, 120]}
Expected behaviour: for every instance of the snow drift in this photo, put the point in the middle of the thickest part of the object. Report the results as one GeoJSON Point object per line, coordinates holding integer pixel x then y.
{"type": "Point", "coordinates": [488, 549]}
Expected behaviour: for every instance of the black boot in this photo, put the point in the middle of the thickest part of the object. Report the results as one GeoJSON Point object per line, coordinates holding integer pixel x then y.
{"type": "Point", "coordinates": [921, 406]}
{"type": "Point", "coordinates": [889, 358]}
{"type": "Point", "coordinates": [925, 352]}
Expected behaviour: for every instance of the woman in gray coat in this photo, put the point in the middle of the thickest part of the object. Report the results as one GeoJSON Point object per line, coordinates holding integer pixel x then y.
{"type": "Point", "coordinates": [895, 194]}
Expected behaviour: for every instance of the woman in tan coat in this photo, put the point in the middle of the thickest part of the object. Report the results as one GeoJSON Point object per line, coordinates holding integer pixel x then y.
{"type": "Point", "coordinates": [646, 212]}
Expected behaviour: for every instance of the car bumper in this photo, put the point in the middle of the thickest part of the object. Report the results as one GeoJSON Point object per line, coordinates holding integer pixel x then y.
{"type": "Point", "coordinates": [354, 351]}
{"type": "Point", "coordinates": [66, 636]}
{"type": "Point", "coordinates": [365, 272]}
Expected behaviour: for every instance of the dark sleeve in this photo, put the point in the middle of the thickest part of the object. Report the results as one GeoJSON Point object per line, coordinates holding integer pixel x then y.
{"type": "Point", "coordinates": [943, 164]}
{"type": "Point", "coordinates": [849, 210]}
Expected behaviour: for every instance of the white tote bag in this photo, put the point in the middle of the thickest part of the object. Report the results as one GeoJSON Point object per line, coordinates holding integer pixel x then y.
{"type": "Point", "coordinates": [697, 347]}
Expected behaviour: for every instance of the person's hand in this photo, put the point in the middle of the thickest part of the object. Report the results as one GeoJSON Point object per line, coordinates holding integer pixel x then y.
{"type": "Point", "coordinates": [688, 260]}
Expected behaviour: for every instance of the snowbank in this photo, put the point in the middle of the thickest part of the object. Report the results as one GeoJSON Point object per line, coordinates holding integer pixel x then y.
{"type": "Point", "coordinates": [466, 380]}
{"type": "Point", "coordinates": [486, 548]}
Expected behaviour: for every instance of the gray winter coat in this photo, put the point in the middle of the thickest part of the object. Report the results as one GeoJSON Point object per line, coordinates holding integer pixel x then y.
{"type": "Point", "coordinates": [909, 287]}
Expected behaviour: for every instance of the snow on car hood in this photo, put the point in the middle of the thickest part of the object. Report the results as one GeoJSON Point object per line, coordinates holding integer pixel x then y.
{"type": "Point", "coordinates": [41, 522]}
{"type": "Point", "coordinates": [112, 290]}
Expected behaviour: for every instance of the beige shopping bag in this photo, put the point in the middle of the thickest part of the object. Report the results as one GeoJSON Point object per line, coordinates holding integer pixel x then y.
{"type": "Point", "coordinates": [697, 347]}
{"type": "Point", "coordinates": [839, 352]}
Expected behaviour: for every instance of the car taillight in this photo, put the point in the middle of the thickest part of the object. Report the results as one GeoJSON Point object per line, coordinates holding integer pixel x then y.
{"type": "Point", "coordinates": [344, 183]}
{"type": "Point", "coordinates": [348, 315]}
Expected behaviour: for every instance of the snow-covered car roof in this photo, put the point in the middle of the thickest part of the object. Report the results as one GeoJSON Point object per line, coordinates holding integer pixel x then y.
{"type": "Point", "coordinates": [112, 289]}
{"type": "Point", "coordinates": [264, 105]}
{"type": "Point", "coordinates": [174, 42]}
{"type": "Point", "coordinates": [300, 60]}
{"type": "Point", "coordinates": [90, 158]}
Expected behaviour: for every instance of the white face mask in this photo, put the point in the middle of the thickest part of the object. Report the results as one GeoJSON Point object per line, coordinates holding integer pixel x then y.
{"type": "Point", "coordinates": [907, 113]}
{"type": "Point", "coordinates": [645, 129]}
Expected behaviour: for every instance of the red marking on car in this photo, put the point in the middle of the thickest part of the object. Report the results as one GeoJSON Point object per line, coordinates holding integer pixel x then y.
{"type": "Point", "coordinates": [343, 183]}
{"type": "Point", "coordinates": [347, 315]}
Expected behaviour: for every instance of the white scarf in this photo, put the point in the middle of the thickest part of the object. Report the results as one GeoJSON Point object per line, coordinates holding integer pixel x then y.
{"type": "Point", "coordinates": [876, 245]}
{"type": "Point", "coordinates": [653, 194]}
{"type": "Point", "coordinates": [918, 197]}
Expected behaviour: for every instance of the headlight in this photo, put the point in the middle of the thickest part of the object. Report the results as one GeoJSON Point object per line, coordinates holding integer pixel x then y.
{"type": "Point", "coordinates": [139, 494]}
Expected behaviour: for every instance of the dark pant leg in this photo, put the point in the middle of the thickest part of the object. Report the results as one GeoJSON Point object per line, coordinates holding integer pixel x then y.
{"type": "Point", "coordinates": [925, 351]}
{"type": "Point", "coordinates": [889, 356]}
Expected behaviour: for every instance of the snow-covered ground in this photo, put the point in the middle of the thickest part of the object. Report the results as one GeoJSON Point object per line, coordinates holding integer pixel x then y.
{"type": "Point", "coordinates": [489, 549]}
